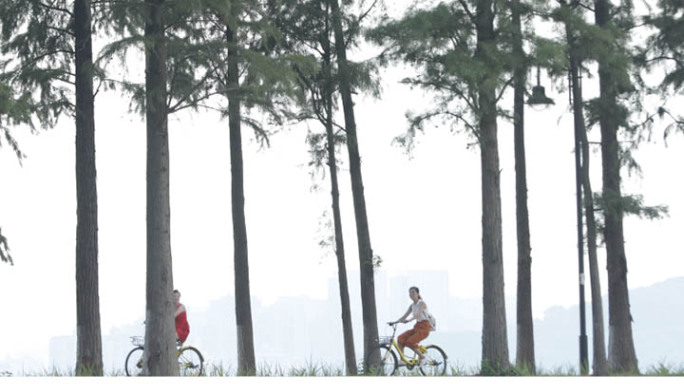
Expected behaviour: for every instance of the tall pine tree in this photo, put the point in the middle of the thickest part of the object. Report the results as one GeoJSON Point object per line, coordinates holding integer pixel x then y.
{"type": "Point", "coordinates": [457, 50]}
{"type": "Point", "coordinates": [49, 49]}
{"type": "Point", "coordinates": [366, 260]}
{"type": "Point", "coordinates": [614, 81]}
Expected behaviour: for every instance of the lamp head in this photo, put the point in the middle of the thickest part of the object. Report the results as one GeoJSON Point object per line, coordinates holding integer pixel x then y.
{"type": "Point", "coordinates": [539, 97]}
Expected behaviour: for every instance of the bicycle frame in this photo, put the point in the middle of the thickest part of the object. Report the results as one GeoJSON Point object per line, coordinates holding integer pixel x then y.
{"type": "Point", "coordinates": [430, 358]}
{"type": "Point", "coordinates": [393, 343]}
{"type": "Point", "coordinates": [185, 361]}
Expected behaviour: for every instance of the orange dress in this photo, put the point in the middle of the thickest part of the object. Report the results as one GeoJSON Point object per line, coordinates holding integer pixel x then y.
{"type": "Point", "coordinates": [182, 326]}
{"type": "Point", "coordinates": [412, 337]}
{"type": "Point", "coordinates": [420, 331]}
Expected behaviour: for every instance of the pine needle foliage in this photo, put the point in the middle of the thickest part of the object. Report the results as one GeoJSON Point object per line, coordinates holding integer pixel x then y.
{"type": "Point", "coordinates": [37, 62]}
{"type": "Point", "coordinates": [440, 42]}
{"type": "Point", "coordinates": [664, 50]}
{"type": "Point", "coordinates": [14, 111]}
{"type": "Point", "coordinates": [4, 250]}
{"type": "Point", "coordinates": [306, 30]}
{"type": "Point", "coordinates": [614, 46]}
{"type": "Point", "coordinates": [187, 64]}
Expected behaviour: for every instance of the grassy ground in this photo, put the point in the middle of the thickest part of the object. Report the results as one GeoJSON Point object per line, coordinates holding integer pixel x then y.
{"type": "Point", "coordinates": [323, 370]}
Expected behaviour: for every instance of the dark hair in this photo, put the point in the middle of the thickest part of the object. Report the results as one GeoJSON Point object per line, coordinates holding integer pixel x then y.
{"type": "Point", "coordinates": [417, 291]}
{"type": "Point", "coordinates": [176, 291]}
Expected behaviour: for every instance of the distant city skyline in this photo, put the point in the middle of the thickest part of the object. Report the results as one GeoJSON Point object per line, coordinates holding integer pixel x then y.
{"type": "Point", "coordinates": [317, 337]}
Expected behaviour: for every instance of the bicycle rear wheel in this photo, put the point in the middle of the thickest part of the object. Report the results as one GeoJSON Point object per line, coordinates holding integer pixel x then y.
{"type": "Point", "coordinates": [388, 362]}
{"type": "Point", "coordinates": [134, 362]}
{"type": "Point", "coordinates": [190, 362]}
{"type": "Point", "coordinates": [436, 362]}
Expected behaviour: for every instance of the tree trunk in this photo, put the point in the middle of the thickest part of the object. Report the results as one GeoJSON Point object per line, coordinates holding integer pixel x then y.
{"type": "Point", "coordinates": [243, 305]}
{"type": "Point", "coordinates": [621, 353]}
{"type": "Point", "coordinates": [578, 128]}
{"type": "Point", "coordinates": [160, 332]}
{"type": "Point", "coordinates": [494, 337]}
{"type": "Point", "coordinates": [349, 355]}
{"type": "Point", "coordinates": [600, 364]}
{"type": "Point", "coordinates": [347, 330]}
{"type": "Point", "coordinates": [370, 322]}
{"type": "Point", "coordinates": [525, 336]}
{"type": "Point", "coordinates": [88, 331]}
{"type": "Point", "coordinates": [599, 343]}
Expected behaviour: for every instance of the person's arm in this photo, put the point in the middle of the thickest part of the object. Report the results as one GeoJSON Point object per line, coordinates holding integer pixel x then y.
{"type": "Point", "coordinates": [181, 309]}
{"type": "Point", "coordinates": [403, 318]}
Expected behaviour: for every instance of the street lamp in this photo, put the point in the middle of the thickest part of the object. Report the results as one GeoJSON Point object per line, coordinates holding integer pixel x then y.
{"type": "Point", "coordinates": [576, 92]}
{"type": "Point", "coordinates": [539, 98]}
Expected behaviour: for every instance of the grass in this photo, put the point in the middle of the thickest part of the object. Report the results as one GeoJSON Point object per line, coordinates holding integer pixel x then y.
{"type": "Point", "coordinates": [665, 369]}
{"type": "Point", "coordinates": [313, 369]}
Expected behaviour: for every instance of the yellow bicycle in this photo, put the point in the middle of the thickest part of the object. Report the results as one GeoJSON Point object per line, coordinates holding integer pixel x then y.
{"type": "Point", "coordinates": [190, 360]}
{"type": "Point", "coordinates": [435, 364]}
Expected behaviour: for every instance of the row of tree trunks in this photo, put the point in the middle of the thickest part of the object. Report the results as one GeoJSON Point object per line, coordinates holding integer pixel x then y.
{"type": "Point", "coordinates": [160, 331]}
{"type": "Point", "coordinates": [600, 366]}
{"type": "Point", "coordinates": [370, 323]}
{"type": "Point", "coordinates": [347, 329]}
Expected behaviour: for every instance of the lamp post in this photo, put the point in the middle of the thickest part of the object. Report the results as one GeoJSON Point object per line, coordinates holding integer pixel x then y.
{"type": "Point", "coordinates": [574, 80]}
{"type": "Point", "coordinates": [539, 98]}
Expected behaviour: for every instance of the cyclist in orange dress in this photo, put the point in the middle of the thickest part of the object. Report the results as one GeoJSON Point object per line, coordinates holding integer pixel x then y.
{"type": "Point", "coordinates": [182, 326]}
{"type": "Point", "coordinates": [421, 329]}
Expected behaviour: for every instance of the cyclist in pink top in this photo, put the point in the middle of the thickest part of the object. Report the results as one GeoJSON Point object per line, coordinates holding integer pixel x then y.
{"type": "Point", "coordinates": [182, 326]}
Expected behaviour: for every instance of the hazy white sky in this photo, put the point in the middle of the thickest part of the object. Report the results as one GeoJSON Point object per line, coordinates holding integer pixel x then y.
{"type": "Point", "coordinates": [424, 213]}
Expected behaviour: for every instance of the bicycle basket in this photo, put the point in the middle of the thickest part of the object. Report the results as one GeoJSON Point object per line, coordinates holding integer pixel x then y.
{"type": "Point", "coordinates": [138, 341]}
{"type": "Point", "coordinates": [384, 340]}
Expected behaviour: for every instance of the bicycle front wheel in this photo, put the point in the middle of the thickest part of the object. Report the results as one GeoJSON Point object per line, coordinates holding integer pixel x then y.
{"type": "Point", "coordinates": [190, 362]}
{"type": "Point", "coordinates": [388, 362]}
{"type": "Point", "coordinates": [134, 362]}
{"type": "Point", "coordinates": [436, 362]}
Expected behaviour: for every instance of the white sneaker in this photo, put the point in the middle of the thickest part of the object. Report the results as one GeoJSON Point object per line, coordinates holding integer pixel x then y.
{"type": "Point", "coordinates": [424, 362]}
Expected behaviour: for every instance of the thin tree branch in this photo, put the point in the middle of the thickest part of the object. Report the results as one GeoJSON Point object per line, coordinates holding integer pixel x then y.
{"type": "Point", "coordinates": [503, 89]}
{"type": "Point", "coordinates": [53, 8]}
{"type": "Point", "coordinates": [185, 98]}
{"type": "Point", "coordinates": [365, 14]}
{"type": "Point", "coordinates": [46, 54]}
{"type": "Point", "coordinates": [62, 30]}
{"type": "Point", "coordinates": [662, 57]}
{"type": "Point", "coordinates": [467, 11]}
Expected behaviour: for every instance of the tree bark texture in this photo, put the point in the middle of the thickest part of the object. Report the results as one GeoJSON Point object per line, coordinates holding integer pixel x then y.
{"type": "Point", "coordinates": [494, 336]}
{"type": "Point", "coordinates": [160, 332]}
{"type": "Point", "coordinates": [347, 330]}
{"type": "Point", "coordinates": [88, 329]}
{"type": "Point", "coordinates": [243, 304]}
{"type": "Point", "coordinates": [600, 364]}
{"type": "Point", "coordinates": [370, 322]}
{"type": "Point", "coordinates": [525, 329]}
{"type": "Point", "coordinates": [621, 352]}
